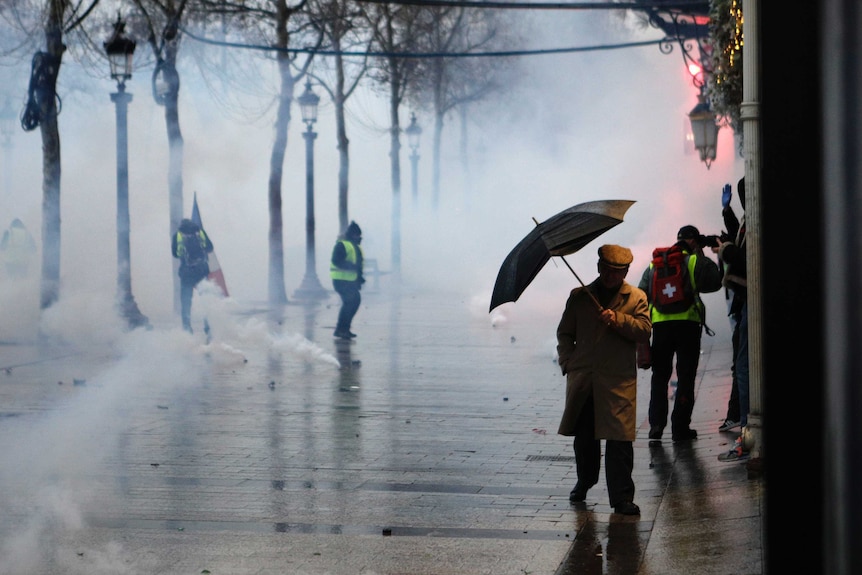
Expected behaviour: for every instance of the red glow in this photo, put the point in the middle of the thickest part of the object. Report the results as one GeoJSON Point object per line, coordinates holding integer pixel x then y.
{"type": "Point", "coordinates": [694, 69]}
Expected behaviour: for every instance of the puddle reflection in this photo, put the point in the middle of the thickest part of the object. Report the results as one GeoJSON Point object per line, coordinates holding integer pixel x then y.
{"type": "Point", "coordinates": [603, 548]}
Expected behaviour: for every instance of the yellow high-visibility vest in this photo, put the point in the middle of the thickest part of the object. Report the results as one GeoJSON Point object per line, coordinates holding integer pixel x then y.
{"type": "Point", "coordinates": [693, 313]}
{"type": "Point", "coordinates": [338, 273]}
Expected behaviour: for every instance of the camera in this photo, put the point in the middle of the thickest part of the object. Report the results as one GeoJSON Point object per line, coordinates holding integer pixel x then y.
{"type": "Point", "coordinates": [708, 241]}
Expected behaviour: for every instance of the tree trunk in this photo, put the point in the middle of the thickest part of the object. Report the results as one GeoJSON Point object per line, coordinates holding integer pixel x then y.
{"type": "Point", "coordinates": [435, 159]}
{"type": "Point", "coordinates": [465, 159]}
{"type": "Point", "coordinates": [439, 102]}
{"type": "Point", "coordinates": [277, 291]}
{"type": "Point", "coordinates": [50, 283]}
{"type": "Point", "coordinates": [50, 287]}
{"type": "Point", "coordinates": [175, 158]}
{"type": "Point", "coordinates": [343, 142]}
{"type": "Point", "coordinates": [395, 159]}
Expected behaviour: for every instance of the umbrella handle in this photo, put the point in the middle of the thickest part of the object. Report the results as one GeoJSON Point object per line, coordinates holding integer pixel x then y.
{"type": "Point", "coordinates": [589, 293]}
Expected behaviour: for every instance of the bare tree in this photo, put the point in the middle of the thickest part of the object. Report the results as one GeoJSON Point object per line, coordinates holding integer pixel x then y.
{"type": "Point", "coordinates": [272, 23]}
{"type": "Point", "coordinates": [394, 29]}
{"type": "Point", "coordinates": [343, 30]}
{"type": "Point", "coordinates": [162, 19]}
{"type": "Point", "coordinates": [449, 82]}
{"type": "Point", "coordinates": [56, 18]}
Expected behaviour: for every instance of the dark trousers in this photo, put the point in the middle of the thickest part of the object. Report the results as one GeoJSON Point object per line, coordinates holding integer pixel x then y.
{"type": "Point", "coordinates": [619, 459]}
{"type": "Point", "coordinates": [350, 300]}
{"type": "Point", "coordinates": [742, 366]}
{"type": "Point", "coordinates": [733, 401]}
{"type": "Point", "coordinates": [186, 290]}
{"type": "Point", "coordinates": [669, 339]}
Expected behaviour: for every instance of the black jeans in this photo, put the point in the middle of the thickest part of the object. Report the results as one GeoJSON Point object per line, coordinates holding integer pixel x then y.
{"type": "Point", "coordinates": [733, 401]}
{"type": "Point", "coordinates": [619, 459]}
{"type": "Point", "coordinates": [350, 300]}
{"type": "Point", "coordinates": [681, 339]}
{"type": "Point", "coordinates": [186, 291]}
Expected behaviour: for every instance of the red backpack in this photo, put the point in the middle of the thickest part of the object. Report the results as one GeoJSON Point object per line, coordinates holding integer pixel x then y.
{"type": "Point", "coordinates": [670, 289]}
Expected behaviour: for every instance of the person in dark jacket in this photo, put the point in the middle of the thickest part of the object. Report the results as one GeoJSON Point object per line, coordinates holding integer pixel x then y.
{"type": "Point", "coordinates": [732, 224]}
{"type": "Point", "coordinates": [596, 340]}
{"type": "Point", "coordinates": [192, 246]}
{"type": "Point", "coordinates": [733, 255]}
{"type": "Point", "coordinates": [679, 334]}
{"type": "Point", "coordinates": [345, 269]}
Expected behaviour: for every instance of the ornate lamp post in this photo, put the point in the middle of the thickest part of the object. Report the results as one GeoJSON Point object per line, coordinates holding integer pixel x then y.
{"type": "Point", "coordinates": [120, 50]}
{"type": "Point", "coordinates": [704, 128]}
{"type": "Point", "coordinates": [310, 287]}
{"type": "Point", "coordinates": [689, 27]}
{"type": "Point", "coordinates": [7, 127]}
{"type": "Point", "coordinates": [413, 132]}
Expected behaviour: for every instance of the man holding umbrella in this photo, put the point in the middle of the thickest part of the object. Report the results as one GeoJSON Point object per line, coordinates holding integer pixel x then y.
{"type": "Point", "coordinates": [596, 343]}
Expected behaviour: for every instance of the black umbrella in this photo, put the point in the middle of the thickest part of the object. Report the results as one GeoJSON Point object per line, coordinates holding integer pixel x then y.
{"type": "Point", "coordinates": [560, 235]}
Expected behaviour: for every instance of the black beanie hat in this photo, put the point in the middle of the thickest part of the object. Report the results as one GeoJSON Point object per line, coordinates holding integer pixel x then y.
{"type": "Point", "coordinates": [687, 233]}
{"type": "Point", "coordinates": [353, 230]}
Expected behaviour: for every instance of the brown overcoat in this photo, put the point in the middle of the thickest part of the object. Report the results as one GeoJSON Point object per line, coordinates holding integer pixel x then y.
{"type": "Point", "coordinates": [602, 359]}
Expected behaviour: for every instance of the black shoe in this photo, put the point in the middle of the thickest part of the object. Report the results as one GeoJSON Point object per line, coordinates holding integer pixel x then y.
{"type": "Point", "coordinates": [685, 435]}
{"type": "Point", "coordinates": [655, 432]}
{"type": "Point", "coordinates": [627, 508]}
{"type": "Point", "coordinates": [578, 495]}
{"type": "Point", "coordinates": [342, 334]}
{"type": "Point", "coordinates": [350, 334]}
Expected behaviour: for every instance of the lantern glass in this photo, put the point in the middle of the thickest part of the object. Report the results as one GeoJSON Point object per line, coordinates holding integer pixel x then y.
{"type": "Point", "coordinates": [308, 102]}
{"type": "Point", "coordinates": [414, 131]}
{"type": "Point", "coordinates": [121, 66]}
{"type": "Point", "coordinates": [120, 50]}
{"type": "Point", "coordinates": [704, 129]}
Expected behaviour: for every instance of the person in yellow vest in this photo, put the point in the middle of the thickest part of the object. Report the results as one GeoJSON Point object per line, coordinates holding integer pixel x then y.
{"type": "Point", "coordinates": [18, 249]}
{"type": "Point", "coordinates": [192, 246]}
{"type": "Point", "coordinates": [679, 334]}
{"type": "Point", "coordinates": [345, 269]}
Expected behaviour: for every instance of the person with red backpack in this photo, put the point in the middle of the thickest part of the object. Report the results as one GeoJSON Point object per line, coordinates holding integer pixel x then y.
{"type": "Point", "coordinates": [673, 282]}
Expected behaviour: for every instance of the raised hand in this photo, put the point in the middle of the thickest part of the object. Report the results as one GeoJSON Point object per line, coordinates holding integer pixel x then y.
{"type": "Point", "coordinates": [726, 194]}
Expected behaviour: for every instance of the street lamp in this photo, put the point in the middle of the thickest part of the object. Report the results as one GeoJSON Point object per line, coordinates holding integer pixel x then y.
{"type": "Point", "coordinates": [704, 128]}
{"type": "Point", "coordinates": [120, 49]}
{"type": "Point", "coordinates": [7, 127]}
{"type": "Point", "coordinates": [413, 132]}
{"type": "Point", "coordinates": [310, 287]}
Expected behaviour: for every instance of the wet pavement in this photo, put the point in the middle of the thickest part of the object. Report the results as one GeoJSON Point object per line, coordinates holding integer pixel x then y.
{"type": "Point", "coordinates": [427, 446]}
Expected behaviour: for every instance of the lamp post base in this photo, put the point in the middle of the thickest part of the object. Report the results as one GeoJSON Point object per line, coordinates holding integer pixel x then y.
{"type": "Point", "coordinates": [310, 289]}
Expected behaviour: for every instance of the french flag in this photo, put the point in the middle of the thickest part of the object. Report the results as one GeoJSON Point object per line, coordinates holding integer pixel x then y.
{"type": "Point", "coordinates": [216, 275]}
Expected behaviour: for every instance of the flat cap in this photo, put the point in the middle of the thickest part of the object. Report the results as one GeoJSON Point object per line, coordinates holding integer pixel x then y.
{"type": "Point", "coordinates": [615, 256]}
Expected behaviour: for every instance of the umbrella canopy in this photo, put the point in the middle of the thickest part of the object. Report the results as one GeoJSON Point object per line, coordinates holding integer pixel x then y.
{"type": "Point", "coordinates": [560, 235]}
